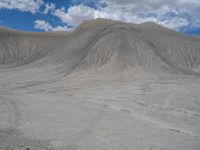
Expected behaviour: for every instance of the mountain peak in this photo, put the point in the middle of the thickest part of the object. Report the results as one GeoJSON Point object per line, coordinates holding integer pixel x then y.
{"type": "Point", "coordinates": [99, 22]}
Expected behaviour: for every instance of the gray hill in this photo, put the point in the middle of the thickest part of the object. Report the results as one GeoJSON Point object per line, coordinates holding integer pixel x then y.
{"type": "Point", "coordinates": [107, 85]}
{"type": "Point", "coordinates": [105, 45]}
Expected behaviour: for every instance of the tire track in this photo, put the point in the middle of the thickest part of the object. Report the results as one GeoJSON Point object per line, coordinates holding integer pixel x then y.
{"type": "Point", "coordinates": [176, 110]}
{"type": "Point", "coordinates": [154, 122]}
{"type": "Point", "coordinates": [100, 114]}
{"type": "Point", "coordinates": [9, 135]}
{"type": "Point", "coordinates": [14, 113]}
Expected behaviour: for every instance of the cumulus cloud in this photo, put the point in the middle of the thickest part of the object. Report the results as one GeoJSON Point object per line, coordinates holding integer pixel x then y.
{"type": "Point", "coordinates": [170, 13]}
{"type": "Point", "coordinates": [23, 5]}
{"type": "Point", "coordinates": [175, 23]}
{"type": "Point", "coordinates": [156, 4]}
{"type": "Point", "coordinates": [43, 25]}
{"type": "Point", "coordinates": [61, 28]}
{"type": "Point", "coordinates": [174, 14]}
{"type": "Point", "coordinates": [49, 7]}
{"type": "Point", "coordinates": [93, 3]}
{"type": "Point", "coordinates": [75, 14]}
{"type": "Point", "coordinates": [185, 11]}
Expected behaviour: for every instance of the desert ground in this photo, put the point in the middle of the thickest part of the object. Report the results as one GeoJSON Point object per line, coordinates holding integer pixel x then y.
{"type": "Point", "coordinates": [107, 85]}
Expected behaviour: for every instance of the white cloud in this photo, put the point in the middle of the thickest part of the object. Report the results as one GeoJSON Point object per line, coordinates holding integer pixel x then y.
{"type": "Point", "coordinates": [155, 4]}
{"type": "Point", "coordinates": [75, 14]}
{"type": "Point", "coordinates": [175, 23]}
{"type": "Point", "coordinates": [186, 8]}
{"type": "Point", "coordinates": [43, 25]}
{"type": "Point", "coordinates": [23, 5]}
{"type": "Point", "coordinates": [170, 13]}
{"type": "Point", "coordinates": [49, 7]}
{"type": "Point", "coordinates": [174, 14]}
{"type": "Point", "coordinates": [61, 28]}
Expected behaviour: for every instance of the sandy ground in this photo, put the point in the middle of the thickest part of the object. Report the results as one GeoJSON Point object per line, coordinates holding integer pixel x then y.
{"type": "Point", "coordinates": [88, 114]}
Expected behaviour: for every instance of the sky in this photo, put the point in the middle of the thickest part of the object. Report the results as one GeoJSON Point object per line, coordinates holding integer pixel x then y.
{"type": "Point", "coordinates": [66, 15]}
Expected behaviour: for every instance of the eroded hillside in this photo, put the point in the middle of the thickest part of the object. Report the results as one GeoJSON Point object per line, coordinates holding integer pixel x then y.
{"type": "Point", "coordinates": [105, 45]}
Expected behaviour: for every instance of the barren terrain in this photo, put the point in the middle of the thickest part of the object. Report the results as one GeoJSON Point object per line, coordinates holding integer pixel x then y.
{"type": "Point", "coordinates": [105, 86]}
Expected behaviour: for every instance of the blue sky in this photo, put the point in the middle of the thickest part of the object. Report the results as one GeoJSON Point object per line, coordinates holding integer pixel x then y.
{"type": "Point", "coordinates": [56, 15]}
